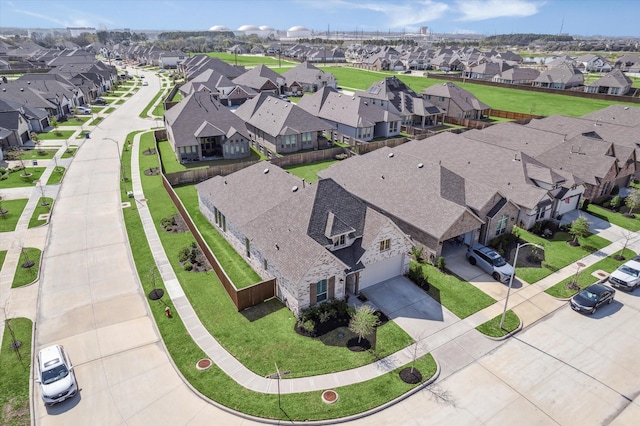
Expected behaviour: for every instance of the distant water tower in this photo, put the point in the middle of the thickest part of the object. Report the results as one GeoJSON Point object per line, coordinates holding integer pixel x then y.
{"type": "Point", "coordinates": [424, 30]}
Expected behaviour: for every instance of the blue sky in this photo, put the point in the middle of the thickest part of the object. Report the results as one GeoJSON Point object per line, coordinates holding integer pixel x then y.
{"type": "Point", "coordinates": [574, 17]}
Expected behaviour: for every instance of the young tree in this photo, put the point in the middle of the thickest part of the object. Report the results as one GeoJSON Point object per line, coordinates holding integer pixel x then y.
{"type": "Point", "coordinates": [363, 321]}
{"type": "Point", "coordinates": [54, 122]}
{"type": "Point", "coordinates": [615, 203]}
{"type": "Point", "coordinates": [633, 200]}
{"type": "Point", "coordinates": [579, 228]}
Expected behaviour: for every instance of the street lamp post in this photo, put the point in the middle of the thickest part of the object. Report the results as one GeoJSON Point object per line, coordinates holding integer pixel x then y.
{"type": "Point", "coordinates": [122, 175]}
{"type": "Point", "coordinates": [515, 262]}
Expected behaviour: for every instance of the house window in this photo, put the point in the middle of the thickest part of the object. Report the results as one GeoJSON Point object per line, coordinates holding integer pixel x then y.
{"type": "Point", "coordinates": [501, 226]}
{"type": "Point", "coordinates": [441, 98]}
{"type": "Point", "coordinates": [605, 189]}
{"type": "Point", "coordinates": [340, 241]}
{"type": "Point", "coordinates": [287, 141]}
{"type": "Point", "coordinates": [385, 245]}
{"type": "Point", "coordinates": [321, 290]}
{"type": "Point", "coordinates": [306, 137]}
{"type": "Point", "coordinates": [540, 212]}
{"type": "Point", "coordinates": [393, 127]}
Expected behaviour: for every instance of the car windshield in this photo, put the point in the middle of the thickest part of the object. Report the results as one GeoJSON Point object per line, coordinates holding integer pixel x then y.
{"type": "Point", "coordinates": [629, 271]}
{"type": "Point", "coordinates": [498, 261]}
{"type": "Point", "coordinates": [54, 374]}
{"type": "Point", "coordinates": [588, 295]}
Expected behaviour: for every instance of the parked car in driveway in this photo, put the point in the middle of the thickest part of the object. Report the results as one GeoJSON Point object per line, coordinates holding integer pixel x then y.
{"type": "Point", "coordinates": [99, 101]}
{"type": "Point", "coordinates": [490, 261]}
{"type": "Point", "coordinates": [55, 375]}
{"type": "Point", "coordinates": [591, 298]}
{"type": "Point", "coordinates": [627, 276]}
{"type": "Point", "coordinates": [83, 110]}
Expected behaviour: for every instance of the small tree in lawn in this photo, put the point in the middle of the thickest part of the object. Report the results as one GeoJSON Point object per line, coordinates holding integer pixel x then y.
{"type": "Point", "coordinates": [54, 122]}
{"type": "Point", "coordinates": [363, 321]}
{"type": "Point", "coordinates": [633, 200]}
{"type": "Point", "coordinates": [579, 228]}
{"type": "Point", "coordinates": [629, 236]}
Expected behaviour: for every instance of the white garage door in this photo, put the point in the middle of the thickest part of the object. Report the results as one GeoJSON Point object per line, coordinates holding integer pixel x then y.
{"type": "Point", "coordinates": [380, 271]}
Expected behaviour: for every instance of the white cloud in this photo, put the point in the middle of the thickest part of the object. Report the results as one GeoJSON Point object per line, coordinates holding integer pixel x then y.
{"type": "Point", "coordinates": [480, 10]}
{"type": "Point", "coordinates": [410, 13]}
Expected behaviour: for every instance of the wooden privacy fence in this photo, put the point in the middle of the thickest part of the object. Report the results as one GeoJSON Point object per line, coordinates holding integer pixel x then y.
{"type": "Point", "coordinates": [243, 298]}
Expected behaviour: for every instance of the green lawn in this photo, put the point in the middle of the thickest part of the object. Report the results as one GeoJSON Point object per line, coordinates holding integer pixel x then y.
{"type": "Point", "coordinates": [177, 97]}
{"type": "Point", "coordinates": [458, 296]}
{"type": "Point", "coordinates": [56, 135]}
{"type": "Point", "coordinates": [585, 279]}
{"type": "Point", "coordinates": [632, 224]}
{"type": "Point", "coordinates": [524, 101]}
{"type": "Point", "coordinates": [56, 176]}
{"type": "Point", "coordinates": [17, 180]}
{"type": "Point", "coordinates": [14, 208]}
{"type": "Point", "coordinates": [309, 172]}
{"type": "Point", "coordinates": [147, 111]}
{"type": "Point", "coordinates": [96, 121]}
{"type": "Point", "coordinates": [70, 152]}
{"type": "Point", "coordinates": [109, 110]}
{"type": "Point", "coordinates": [37, 154]}
{"type": "Point", "coordinates": [3, 254]}
{"type": "Point", "coordinates": [41, 209]}
{"type": "Point", "coordinates": [27, 275]}
{"type": "Point", "coordinates": [78, 120]}
{"type": "Point", "coordinates": [492, 328]}
{"type": "Point", "coordinates": [557, 253]}
{"type": "Point", "coordinates": [256, 342]}
{"type": "Point", "coordinates": [14, 370]}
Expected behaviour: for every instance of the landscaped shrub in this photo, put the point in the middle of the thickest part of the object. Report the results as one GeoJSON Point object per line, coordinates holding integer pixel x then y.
{"type": "Point", "coordinates": [440, 263]}
{"type": "Point", "coordinates": [417, 275]}
{"type": "Point", "coordinates": [341, 157]}
{"type": "Point", "coordinates": [324, 317]}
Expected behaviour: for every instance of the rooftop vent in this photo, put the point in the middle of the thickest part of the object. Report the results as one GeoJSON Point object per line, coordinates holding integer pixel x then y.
{"type": "Point", "coordinates": [294, 189]}
{"type": "Point", "coordinates": [420, 165]}
{"type": "Point", "coordinates": [265, 171]}
{"type": "Point", "coordinates": [391, 155]}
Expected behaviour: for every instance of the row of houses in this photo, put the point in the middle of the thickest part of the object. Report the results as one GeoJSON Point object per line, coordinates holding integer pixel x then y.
{"type": "Point", "coordinates": [276, 126]}
{"type": "Point", "coordinates": [356, 226]}
{"type": "Point", "coordinates": [28, 103]}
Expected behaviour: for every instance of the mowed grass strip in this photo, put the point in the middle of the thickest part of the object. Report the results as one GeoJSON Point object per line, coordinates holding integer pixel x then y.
{"type": "Point", "coordinates": [14, 370]}
{"type": "Point", "coordinates": [10, 213]}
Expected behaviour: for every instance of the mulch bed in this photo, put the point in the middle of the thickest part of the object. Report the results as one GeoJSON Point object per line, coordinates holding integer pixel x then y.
{"type": "Point", "coordinates": [411, 377]}
{"type": "Point", "coordinates": [354, 346]}
{"type": "Point", "coordinates": [175, 225]}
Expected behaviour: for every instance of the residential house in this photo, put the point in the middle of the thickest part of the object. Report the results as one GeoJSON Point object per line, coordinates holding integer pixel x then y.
{"type": "Point", "coordinates": [428, 201]}
{"type": "Point", "coordinates": [395, 96]}
{"type": "Point", "coordinates": [486, 70]}
{"type": "Point", "coordinates": [14, 130]}
{"type": "Point", "coordinates": [535, 192]}
{"type": "Point", "coordinates": [564, 76]}
{"type": "Point", "coordinates": [279, 127]}
{"type": "Point", "coordinates": [199, 127]}
{"type": "Point", "coordinates": [615, 82]}
{"type": "Point", "coordinates": [194, 65]}
{"type": "Point", "coordinates": [629, 63]}
{"type": "Point", "coordinates": [516, 76]}
{"type": "Point", "coordinates": [318, 241]}
{"type": "Point", "coordinates": [170, 59]}
{"type": "Point", "coordinates": [351, 117]}
{"type": "Point", "coordinates": [261, 79]}
{"type": "Point", "coordinates": [306, 77]}
{"type": "Point", "coordinates": [223, 89]}
{"type": "Point", "coordinates": [592, 63]}
{"type": "Point", "coordinates": [456, 102]}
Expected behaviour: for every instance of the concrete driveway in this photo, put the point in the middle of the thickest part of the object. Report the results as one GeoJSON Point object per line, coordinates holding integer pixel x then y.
{"type": "Point", "coordinates": [459, 265]}
{"type": "Point", "coordinates": [410, 307]}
